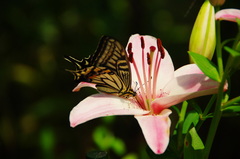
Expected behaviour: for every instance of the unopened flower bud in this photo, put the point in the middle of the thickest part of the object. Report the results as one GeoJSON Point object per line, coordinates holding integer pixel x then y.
{"type": "Point", "coordinates": [203, 36]}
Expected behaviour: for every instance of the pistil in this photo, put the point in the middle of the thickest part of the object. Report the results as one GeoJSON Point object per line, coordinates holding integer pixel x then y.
{"type": "Point", "coordinates": [147, 92]}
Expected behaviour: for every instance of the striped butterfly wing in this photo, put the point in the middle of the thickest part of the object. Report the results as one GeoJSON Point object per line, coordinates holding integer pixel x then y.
{"type": "Point", "coordinates": [112, 55]}
{"type": "Point", "coordinates": [111, 83]}
{"type": "Point", "coordinates": [108, 68]}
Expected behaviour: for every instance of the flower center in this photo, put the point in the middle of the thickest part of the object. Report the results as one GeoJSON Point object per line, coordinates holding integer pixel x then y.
{"type": "Point", "coordinates": [147, 75]}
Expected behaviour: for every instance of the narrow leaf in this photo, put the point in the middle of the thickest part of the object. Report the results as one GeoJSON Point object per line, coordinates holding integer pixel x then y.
{"type": "Point", "coordinates": [207, 67]}
{"type": "Point", "coordinates": [233, 101]}
{"type": "Point", "coordinates": [232, 109]}
{"type": "Point", "coordinates": [233, 62]}
{"type": "Point", "coordinates": [234, 53]}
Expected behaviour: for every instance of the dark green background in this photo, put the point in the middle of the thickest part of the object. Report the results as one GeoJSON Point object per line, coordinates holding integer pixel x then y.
{"type": "Point", "coordinates": [35, 90]}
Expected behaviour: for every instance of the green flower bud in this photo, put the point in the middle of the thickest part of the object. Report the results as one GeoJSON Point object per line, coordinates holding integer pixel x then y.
{"type": "Point", "coordinates": [203, 36]}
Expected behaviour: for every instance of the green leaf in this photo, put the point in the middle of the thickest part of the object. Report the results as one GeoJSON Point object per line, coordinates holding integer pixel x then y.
{"type": "Point", "coordinates": [231, 111]}
{"type": "Point", "coordinates": [130, 156]}
{"type": "Point", "coordinates": [103, 138]}
{"type": "Point", "coordinates": [235, 101]}
{"type": "Point", "coordinates": [108, 119]}
{"type": "Point", "coordinates": [193, 146]}
{"type": "Point", "coordinates": [207, 67]}
{"type": "Point", "coordinates": [233, 108]}
{"type": "Point", "coordinates": [238, 21]}
{"type": "Point", "coordinates": [191, 119]}
{"type": "Point", "coordinates": [47, 142]}
{"type": "Point", "coordinates": [195, 105]}
{"type": "Point", "coordinates": [118, 146]}
{"type": "Point", "coordinates": [197, 143]}
{"type": "Point", "coordinates": [233, 62]}
{"type": "Point", "coordinates": [234, 53]}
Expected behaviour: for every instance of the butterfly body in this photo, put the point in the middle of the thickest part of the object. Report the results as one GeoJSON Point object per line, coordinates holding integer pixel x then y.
{"type": "Point", "coordinates": [108, 68]}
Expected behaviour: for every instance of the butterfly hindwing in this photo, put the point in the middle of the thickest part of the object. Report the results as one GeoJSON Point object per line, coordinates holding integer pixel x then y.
{"type": "Point", "coordinates": [109, 83]}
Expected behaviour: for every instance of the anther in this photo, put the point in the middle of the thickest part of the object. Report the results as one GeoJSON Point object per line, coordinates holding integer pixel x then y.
{"type": "Point", "coordinates": [142, 43]}
{"type": "Point", "coordinates": [160, 48]}
{"type": "Point", "coordinates": [130, 57]}
{"type": "Point", "coordinates": [130, 53]}
{"type": "Point", "coordinates": [149, 61]}
{"type": "Point", "coordinates": [129, 49]}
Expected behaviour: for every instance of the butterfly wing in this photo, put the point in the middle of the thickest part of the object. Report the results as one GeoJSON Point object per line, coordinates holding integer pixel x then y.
{"type": "Point", "coordinates": [111, 83]}
{"type": "Point", "coordinates": [108, 52]}
{"type": "Point", "coordinates": [108, 68]}
{"type": "Point", "coordinates": [112, 54]}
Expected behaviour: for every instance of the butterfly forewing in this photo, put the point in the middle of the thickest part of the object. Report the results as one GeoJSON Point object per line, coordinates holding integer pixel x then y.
{"type": "Point", "coordinates": [112, 55]}
{"type": "Point", "coordinates": [108, 68]}
{"type": "Point", "coordinates": [107, 53]}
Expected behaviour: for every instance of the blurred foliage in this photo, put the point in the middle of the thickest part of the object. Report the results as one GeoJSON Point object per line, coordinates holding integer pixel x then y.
{"type": "Point", "coordinates": [35, 90]}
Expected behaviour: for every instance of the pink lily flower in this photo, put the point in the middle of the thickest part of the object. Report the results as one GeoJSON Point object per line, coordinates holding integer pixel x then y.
{"type": "Point", "coordinates": [158, 88]}
{"type": "Point", "coordinates": [228, 14]}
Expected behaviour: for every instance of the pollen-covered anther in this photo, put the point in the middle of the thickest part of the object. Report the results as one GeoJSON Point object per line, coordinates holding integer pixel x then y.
{"type": "Point", "coordinates": [142, 43]}
{"type": "Point", "coordinates": [149, 60]}
{"type": "Point", "coordinates": [160, 48]}
{"type": "Point", "coordinates": [130, 53]}
{"type": "Point", "coordinates": [130, 57]}
{"type": "Point", "coordinates": [129, 48]}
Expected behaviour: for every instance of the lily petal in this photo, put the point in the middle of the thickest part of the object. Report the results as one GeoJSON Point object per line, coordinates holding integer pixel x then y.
{"type": "Point", "coordinates": [83, 84]}
{"type": "Point", "coordinates": [184, 70]}
{"type": "Point", "coordinates": [166, 67]}
{"type": "Point", "coordinates": [100, 105]}
{"type": "Point", "coordinates": [156, 129]}
{"type": "Point", "coordinates": [186, 87]}
{"type": "Point", "coordinates": [228, 14]}
{"type": "Point", "coordinates": [166, 70]}
{"type": "Point", "coordinates": [187, 69]}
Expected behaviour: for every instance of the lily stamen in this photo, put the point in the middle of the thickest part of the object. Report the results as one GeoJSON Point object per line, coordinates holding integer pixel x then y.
{"type": "Point", "coordinates": [143, 97]}
{"type": "Point", "coordinates": [144, 93]}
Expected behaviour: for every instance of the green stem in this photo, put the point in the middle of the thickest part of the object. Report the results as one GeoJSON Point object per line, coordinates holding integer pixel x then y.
{"type": "Point", "coordinates": [206, 111]}
{"type": "Point", "coordinates": [237, 39]}
{"type": "Point", "coordinates": [209, 106]}
{"type": "Point", "coordinates": [180, 124]}
{"type": "Point", "coordinates": [216, 118]}
{"type": "Point", "coordinates": [217, 112]}
{"type": "Point", "coordinates": [218, 47]}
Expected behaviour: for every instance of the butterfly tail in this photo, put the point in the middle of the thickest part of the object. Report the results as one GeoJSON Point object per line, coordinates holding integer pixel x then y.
{"type": "Point", "coordinates": [78, 64]}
